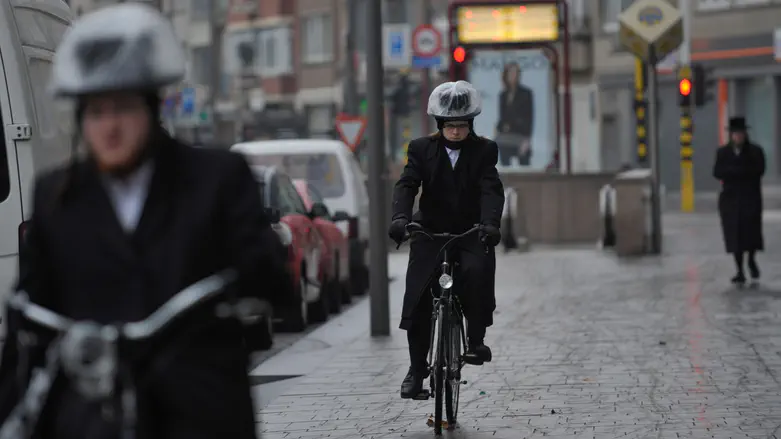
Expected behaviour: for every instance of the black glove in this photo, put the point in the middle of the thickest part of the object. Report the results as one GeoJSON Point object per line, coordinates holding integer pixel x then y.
{"type": "Point", "coordinates": [490, 235]}
{"type": "Point", "coordinates": [398, 229]}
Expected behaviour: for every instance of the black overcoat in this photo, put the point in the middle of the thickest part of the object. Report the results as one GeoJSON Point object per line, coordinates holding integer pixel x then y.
{"type": "Point", "coordinates": [452, 200]}
{"type": "Point", "coordinates": [740, 200]}
{"type": "Point", "coordinates": [203, 214]}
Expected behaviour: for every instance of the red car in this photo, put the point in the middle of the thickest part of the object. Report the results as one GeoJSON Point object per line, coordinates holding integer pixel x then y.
{"type": "Point", "coordinates": [299, 234]}
{"type": "Point", "coordinates": [336, 256]}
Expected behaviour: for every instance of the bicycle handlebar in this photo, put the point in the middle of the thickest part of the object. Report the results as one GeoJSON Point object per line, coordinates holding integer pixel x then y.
{"type": "Point", "coordinates": [416, 228]}
{"type": "Point", "coordinates": [180, 303]}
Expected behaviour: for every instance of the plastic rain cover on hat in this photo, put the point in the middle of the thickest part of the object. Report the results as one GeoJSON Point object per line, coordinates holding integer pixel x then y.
{"type": "Point", "coordinates": [454, 100]}
{"type": "Point", "coordinates": [129, 46]}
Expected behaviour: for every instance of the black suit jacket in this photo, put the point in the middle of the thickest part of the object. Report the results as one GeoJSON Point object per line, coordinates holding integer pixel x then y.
{"type": "Point", "coordinates": [518, 114]}
{"type": "Point", "coordinates": [453, 200]}
{"type": "Point", "coordinates": [203, 214]}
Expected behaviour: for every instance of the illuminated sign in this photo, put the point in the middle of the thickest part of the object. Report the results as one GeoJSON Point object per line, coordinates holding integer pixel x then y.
{"type": "Point", "coordinates": [529, 23]}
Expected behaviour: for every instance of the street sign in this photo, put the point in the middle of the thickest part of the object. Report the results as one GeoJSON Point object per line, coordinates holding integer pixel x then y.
{"type": "Point", "coordinates": [396, 45]}
{"type": "Point", "coordinates": [350, 129]}
{"type": "Point", "coordinates": [522, 22]}
{"type": "Point", "coordinates": [426, 41]}
{"type": "Point", "coordinates": [426, 45]}
{"type": "Point", "coordinates": [651, 29]}
{"type": "Point", "coordinates": [188, 101]}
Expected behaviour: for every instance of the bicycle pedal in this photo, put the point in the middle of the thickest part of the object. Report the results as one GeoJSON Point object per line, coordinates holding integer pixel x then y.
{"type": "Point", "coordinates": [463, 382]}
{"type": "Point", "coordinates": [422, 396]}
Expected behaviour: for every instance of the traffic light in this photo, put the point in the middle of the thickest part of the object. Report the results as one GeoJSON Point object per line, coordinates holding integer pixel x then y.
{"type": "Point", "coordinates": [700, 85]}
{"type": "Point", "coordinates": [684, 92]}
{"type": "Point", "coordinates": [401, 97]}
{"type": "Point", "coordinates": [459, 63]}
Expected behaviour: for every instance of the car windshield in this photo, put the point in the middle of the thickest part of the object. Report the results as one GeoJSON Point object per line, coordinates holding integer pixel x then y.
{"type": "Point", "coordinates": [320, 170]}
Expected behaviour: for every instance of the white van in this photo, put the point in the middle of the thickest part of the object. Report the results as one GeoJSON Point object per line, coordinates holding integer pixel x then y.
{"type": "Point", "coordinates": [33, 137]}
{"type": "Point", "coordinates": [334, 170]}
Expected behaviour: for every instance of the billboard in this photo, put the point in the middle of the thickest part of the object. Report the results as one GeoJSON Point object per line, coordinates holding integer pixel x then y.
{"type": "Point", "coordinates": [518, 106]}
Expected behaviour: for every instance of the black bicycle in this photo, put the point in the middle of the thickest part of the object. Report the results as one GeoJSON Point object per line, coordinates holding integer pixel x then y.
{"type": "Point", "coordinates": [93, 355]}
{"type": "Point", "coordinates": [448, 328]}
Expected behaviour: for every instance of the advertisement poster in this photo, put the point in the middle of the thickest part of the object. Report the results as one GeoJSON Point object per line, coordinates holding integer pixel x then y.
{"type": "Point", "coordinates": [518, 106]}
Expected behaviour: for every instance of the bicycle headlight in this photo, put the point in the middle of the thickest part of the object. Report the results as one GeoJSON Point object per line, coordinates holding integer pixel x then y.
{"type": "Point", "coordinates": [446, 281]}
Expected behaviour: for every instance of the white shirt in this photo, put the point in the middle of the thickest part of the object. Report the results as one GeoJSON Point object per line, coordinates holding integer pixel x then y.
{"type": "Point", "coordinates": [128, 195]}
{"type": "Point", "coordinates": [452, 154]}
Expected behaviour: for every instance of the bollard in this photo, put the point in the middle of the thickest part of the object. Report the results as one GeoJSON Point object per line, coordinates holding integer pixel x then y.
{"type": "Point", "coordinates": [607, 208]}
{"type": "Point", "coordinates": [509, 240]}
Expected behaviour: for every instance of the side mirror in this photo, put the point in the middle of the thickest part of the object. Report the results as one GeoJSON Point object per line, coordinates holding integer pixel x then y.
{"type": "Point", "coordinates": [340, 216]}
{"type": "Point", "coordinates": [274, 215]}
{"type": "Point", "coordinates": [319, 210]}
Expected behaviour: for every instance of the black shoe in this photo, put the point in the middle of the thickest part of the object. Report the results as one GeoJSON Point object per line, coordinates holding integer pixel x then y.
{"type": "Point", "coordinates": [478, 354]}
{"type": "Point", "coordinates": [412, 386]}
{"type": "Point", "coordinates": [753, 269]}
{"type": "Point", "coordinates": [739, 279]}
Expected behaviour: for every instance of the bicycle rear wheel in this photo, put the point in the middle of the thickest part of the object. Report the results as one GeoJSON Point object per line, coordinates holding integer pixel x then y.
{"type": "Point", "coordinates": [455, 363]}
{"type": "Point", "coordinates": [440, 368]}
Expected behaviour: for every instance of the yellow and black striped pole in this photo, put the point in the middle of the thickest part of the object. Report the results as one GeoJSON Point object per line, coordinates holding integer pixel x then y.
{"type": "Point", "coordinates": [640, 112]}
{"type": "Point", "coordinates": [687, 131]}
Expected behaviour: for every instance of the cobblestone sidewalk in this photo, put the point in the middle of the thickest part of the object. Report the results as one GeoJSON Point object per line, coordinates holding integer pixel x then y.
{"type": "Point", "coordinates": [585, 346]}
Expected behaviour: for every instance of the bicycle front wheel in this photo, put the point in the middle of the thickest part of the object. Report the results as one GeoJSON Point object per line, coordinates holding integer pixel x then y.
{"type": "Point", "coordinates": [454, 365]}
{"type": "Point", "coordinates": [440, 368]}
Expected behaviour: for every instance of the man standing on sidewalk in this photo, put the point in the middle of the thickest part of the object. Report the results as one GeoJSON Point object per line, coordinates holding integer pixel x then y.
{"type": "Point", "coordinates": [740, 166]}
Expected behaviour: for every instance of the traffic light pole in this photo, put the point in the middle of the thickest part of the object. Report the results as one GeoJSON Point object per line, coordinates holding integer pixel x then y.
{"type": "Point", "coordinates": [641, 112]}
{"type": "Point", "coordinates": [685, 72]}
{"type": "Point", "coordinates": [687, 174]}
{"type": "Point", "coordinates": [378, 174]}
{"type": "Point", "coordinates": [653, 144]}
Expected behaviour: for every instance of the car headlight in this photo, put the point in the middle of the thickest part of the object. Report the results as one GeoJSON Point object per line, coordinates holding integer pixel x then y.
{"type": "Point", "coordinates": [446, 281]}
{"type": "Point", "coordinates": [284, 232]}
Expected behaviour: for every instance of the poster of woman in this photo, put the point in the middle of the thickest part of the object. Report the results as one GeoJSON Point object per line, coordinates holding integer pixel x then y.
{"type": "Point", "coordinates": [516, 92]}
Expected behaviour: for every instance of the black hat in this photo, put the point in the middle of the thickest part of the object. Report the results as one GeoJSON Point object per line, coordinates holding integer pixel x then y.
{"type": "Point", "coordinates": [738, 124]}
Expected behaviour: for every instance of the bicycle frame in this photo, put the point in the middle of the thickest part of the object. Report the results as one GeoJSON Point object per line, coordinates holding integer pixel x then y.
{"type": "Point", "coordinates": [448, 335]}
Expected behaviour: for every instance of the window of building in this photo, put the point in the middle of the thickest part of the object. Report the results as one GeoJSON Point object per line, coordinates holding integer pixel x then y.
{"type": "Point", "coordinates": [275, 45]}
{"type": "Point", "coordinates": [318, 39]}
{"type": "Point", "coordinates": [201, 64]}
{"type": "Point", "coordinates": [720, 5]}
{"type": "Point", "coordinates": [5, 179]}
{"type": "Point", "coordinates": [609, 11]}
{"type": "Point", "coordinates": [395, 11]}
{"type": "Point", "coordinates": [200, 9]}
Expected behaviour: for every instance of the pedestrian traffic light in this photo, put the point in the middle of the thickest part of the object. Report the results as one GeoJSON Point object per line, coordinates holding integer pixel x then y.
{"type": "Point", "coordinates": [699, 85]}
{"type": "Point", "coordinates": [459, 63]}
{"type": "Point", "coordinates": [684, 92]}
{"type": "Point", "coordinates": [459, 54]}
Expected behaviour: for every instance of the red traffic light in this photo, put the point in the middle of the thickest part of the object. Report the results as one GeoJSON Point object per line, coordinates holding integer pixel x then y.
{"type": "Point", "coordinates": [685, 87]}
{"type": "Point", "coordinates": [459, 54]}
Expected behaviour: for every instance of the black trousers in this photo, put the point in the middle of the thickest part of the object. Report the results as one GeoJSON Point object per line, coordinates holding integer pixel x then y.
{"type": "Point", "coordinates": [419, 334]}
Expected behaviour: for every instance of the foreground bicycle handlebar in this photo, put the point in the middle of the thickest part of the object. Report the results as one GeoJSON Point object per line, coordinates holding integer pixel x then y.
{"type": "Point", "coordinates": [88, 352]}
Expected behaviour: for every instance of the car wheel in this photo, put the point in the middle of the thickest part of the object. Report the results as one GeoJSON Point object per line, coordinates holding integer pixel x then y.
{"type": "Point", "coordinates": [299, 314]}
{"type": "Point", "coordinates": [318, 310]}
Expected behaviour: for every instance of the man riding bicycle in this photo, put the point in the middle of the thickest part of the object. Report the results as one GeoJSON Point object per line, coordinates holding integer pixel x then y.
{"type": "Point", "coordinates": [119, 231]}
{"type": "Point", "coordinates": [460, 187]}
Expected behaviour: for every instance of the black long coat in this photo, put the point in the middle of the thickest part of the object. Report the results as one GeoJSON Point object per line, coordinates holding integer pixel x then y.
{"type": "Point", "coordinates": [452, 200]}
{"type": "Point", "coordinates": [203, 214]}
{"type": "Point", "coordinates": [740, 200]}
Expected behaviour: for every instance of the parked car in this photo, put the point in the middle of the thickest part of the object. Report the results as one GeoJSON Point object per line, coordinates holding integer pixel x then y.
{"type": "Point", "coordinates": [298, 233]}
{"type": "Point", "coordinates": [336, 250]}
{"type": "Point", "coordinates": [333, 169]}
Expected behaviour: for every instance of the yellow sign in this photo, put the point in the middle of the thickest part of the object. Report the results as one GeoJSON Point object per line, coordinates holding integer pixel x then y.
{"type": "Point", "coordinates": [527, 23]}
